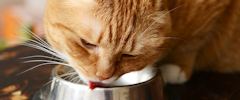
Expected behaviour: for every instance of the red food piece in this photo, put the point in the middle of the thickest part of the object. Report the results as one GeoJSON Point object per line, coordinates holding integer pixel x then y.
{"type": "Point", "coordinates": [93, 85]}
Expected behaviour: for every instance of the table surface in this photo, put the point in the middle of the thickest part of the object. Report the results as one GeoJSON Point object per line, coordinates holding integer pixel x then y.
{"type": "Point", "coordinates": [202, 86]}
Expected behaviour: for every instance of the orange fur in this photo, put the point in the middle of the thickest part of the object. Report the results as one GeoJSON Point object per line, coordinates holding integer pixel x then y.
{"type": "Point", "coordinates": [201, 34]}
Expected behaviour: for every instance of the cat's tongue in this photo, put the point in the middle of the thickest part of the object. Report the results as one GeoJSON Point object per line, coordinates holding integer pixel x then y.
{"type": "Point", "coordinates": [93, 85]}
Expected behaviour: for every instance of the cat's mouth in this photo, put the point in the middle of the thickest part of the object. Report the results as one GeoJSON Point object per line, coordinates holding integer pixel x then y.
{"type": "Point", "coordinates": [124, 80]}
{"type": "Point", "coordinates": [93, 85]}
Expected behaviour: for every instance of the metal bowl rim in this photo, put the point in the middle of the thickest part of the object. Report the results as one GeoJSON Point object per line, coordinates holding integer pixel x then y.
{"type": "Point", "coordinates": [55, 74]}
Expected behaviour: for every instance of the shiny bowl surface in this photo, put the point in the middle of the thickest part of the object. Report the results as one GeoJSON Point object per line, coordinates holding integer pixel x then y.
{"type": "Point", "coordinates": [140, 85]}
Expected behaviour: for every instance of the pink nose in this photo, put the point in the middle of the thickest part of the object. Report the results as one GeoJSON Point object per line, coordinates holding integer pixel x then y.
{"type": "Point", "coordinates": [102, 78]}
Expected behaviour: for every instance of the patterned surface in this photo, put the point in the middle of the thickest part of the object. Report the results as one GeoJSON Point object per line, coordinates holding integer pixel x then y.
{"type": "Point", "coordinates": [202, 86]}
{"type": "Point", "coordinates": [20, 87]}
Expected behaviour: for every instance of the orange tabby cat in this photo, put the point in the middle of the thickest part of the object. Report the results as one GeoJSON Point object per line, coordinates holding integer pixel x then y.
{"type": "Point", "coordinates": [103, 39]}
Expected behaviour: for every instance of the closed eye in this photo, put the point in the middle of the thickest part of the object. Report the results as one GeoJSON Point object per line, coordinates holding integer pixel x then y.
{"type": "Point", "coordinates": [87, 44]}
{"type": "Point", "coordinates": [128, 55]}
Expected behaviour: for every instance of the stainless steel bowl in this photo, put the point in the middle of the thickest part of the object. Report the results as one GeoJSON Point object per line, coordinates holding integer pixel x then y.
{"type": "Point", "coordinates": [143, 85]}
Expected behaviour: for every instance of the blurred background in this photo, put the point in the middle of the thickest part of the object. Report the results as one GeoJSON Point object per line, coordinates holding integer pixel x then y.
{"type": "Point", "coordinates": [18, 18]}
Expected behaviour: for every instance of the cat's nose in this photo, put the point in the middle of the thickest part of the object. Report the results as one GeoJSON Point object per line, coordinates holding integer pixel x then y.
{"type": "Point", "coordinates": [103, 78]}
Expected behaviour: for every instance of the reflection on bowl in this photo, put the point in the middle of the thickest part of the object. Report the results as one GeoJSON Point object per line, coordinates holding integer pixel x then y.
{"type": "Point", "coordinates": [136, 77]}
{"type": "Point", "coordinates": [140, 85]}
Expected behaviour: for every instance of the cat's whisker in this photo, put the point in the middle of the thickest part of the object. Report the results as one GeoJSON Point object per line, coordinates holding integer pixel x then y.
{"type": "Point", "coordinates": [66, 74]}
{"type": "Point", "coordinates": [37, 15]}
{"type": "Point", "coordinates": [48, 61]}
{"type": "Point", "coordinates": [35, 67]}
{"type": "Point", "coordinates": [158, 19]}
{"type": "Point", "coordinates": [39, 43]}
{"type": "Point", "coordinates": [42, 49]}
{"type": "Point", "coordinates": [41, 56]}
{"type": "Point", "coordinates": [36, 43]}
{"type": "Point", "coordinates": [47, 83]}
{"type": "Point", "coordinates": [63, 75]}
{"type": "Point", "coordinates": [73, 79]}
{"type": "Point", "coordinates": [31, 33]}
{"type": "Point", "coordinates": [71, 76]}
{"type": "Point", "coordinates": [67, 77]}
{"type": "Point", "coordinates": [175, 38]}
{"type": "Point", "coordinates": [44, 46]}
{"type": "Point", "coordinates": [79, 81]}
{"type": "Point", "coordinates": [29, 44]}
{"type": "Point", "coordinates": [37, 38]}
{"type": "Point", "coordinates": [40, 40]}
{"type": "Point", "coordinates": [172, 38]}
{"type": "Point", "coordinates": [70, 71]}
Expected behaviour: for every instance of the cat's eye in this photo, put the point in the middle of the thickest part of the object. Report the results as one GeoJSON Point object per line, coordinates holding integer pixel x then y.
{"type": "Point", "coordinates": [128, 55]}
{"type": "Point", "coordinates": [87, 44]}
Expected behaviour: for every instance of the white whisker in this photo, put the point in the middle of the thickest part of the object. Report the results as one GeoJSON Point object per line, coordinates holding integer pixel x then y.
{"type": "Point", "coordinates": [66, 77]}
{"type": "Point", "coordinates": [54, 62]}
{"type": "Point", "coordinates": [172, 38]}
{"type": "Point", "coordinates": [47, 83]}
{"type": "Point", "coordinates": [40, 40]}
{"type": "Point", "coordinates": [159, 18]}
{"type": "Point", "coordinates": [31, 33]}
{"type": "Point", "coordinates": [41, 56]}
{"type": "Point", "coordinates": [79, 80]}
{"type": "Point", "coordinates": [175, 38]}
{"type": "Point", "coordinates": [36, 15]}
{"type": "Point", "coordinates": [42, 49]}
{"type": "Point", "coordinates": [35, 67]}
{"type": "Point", "coordinates": [39, 43]}
{"type": "Point", "coordinates": [70, 76]}
{"type": "Point", "coordinates": [66, 74]}
{"type": "Point", "coordinates": [73, 79]}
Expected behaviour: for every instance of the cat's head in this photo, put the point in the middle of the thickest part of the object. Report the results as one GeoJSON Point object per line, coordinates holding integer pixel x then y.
{"type": "Point", "coordinates": [103, 39]}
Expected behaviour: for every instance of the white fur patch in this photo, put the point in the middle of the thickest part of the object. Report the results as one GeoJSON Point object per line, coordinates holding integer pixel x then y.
{"type": "Point", "coordinates": [95, 50]}
{"type": "Point", "coordinates": [110, 80]}
{"type": "Point", "coordinates": [172, 74]}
